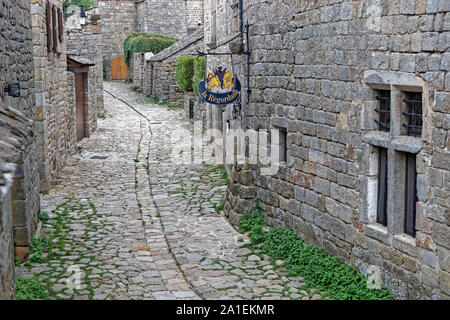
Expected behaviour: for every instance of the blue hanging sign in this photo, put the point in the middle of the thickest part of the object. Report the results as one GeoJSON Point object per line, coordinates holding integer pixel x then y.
{"type": "Point", "coordinates": [221, 79]}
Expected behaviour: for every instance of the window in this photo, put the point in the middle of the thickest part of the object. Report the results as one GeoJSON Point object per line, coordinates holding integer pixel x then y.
{"type": "Point", "coordinates": [410, 194]}
{"type": "Point", "coordinates": [54, 29]}
{"type": "Point", "coordinates": [413, 114]}
{"type": "Point", "coordinates": [382, 186]}
{"type": "Point", "coordinates": [60, 25]}
{"type": "Point", "coordinates": [48, 14]}
{"type": "Point", "coordinates": [384, 97]}
{"type": "Point", "coordinates": [283, 144]}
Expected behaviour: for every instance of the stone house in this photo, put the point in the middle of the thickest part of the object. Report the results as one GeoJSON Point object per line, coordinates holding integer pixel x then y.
{"type": "Point", "coordinates": [54, 121]}
{"type": "Point", "coordinates": [158, 76]}
{"type": "Point", "coordinates": [37, 120]}
{"type": "Point", "coordinates": [359, 92]}
{"type": "Point", "coordinates": [84, 52]}
{"type": "Point", "coordinates": [19, 188]}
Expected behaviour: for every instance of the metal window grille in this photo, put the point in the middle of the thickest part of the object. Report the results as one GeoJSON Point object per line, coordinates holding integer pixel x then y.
{"type": "Point", "coordinates": [384, 97]}
{"type": "Point", "coordinates": [414, 115]}
{"type": "Point", "coordinates": [382, 187]}
{"type": "Point", "coordinates": [410, 195]}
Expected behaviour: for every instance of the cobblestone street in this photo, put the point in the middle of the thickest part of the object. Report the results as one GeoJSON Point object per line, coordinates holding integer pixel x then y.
{"type": "Point", "coordinates": [140, 226]}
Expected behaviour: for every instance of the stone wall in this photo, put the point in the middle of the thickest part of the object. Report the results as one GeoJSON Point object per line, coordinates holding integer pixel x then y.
{"type": "Point", "coordinates": [315, 70]}
{"type": "Point", "coordinates": [174, 18]}
{"type": "Point", "coordinates": [85, 43]}
{"type": "Point", "coordinates": [118, 21]}
{"type": "Point", "coordinates": [161, 68]}
{"type": "Point", "coordinates": [18, 152]}
{"type": "Point", "coordinates": [54, 122]}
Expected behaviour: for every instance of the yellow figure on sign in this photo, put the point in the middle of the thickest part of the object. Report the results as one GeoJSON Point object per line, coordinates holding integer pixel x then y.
{"type": "Point", "coordinates": [228, 80]}
{"type": "Point", "coordinates": [213, 81]}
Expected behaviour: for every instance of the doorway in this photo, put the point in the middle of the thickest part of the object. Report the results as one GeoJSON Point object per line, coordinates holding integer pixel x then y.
{"type": "Point", "coordinates": [80, 104]}
{"type": "Point", "coordinates": [119, 70]}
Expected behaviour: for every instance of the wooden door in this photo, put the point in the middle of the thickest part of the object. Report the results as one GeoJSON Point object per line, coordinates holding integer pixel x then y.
{"type": "Point", "coordinates": [80, 101]}
{"type": "Point", "coordinates": [119, 69]}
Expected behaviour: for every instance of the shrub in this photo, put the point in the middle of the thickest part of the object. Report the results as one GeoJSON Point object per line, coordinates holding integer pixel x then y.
{"type": "Point", "coordinates": [138, 42]}
{"type": "Point", "coordinates": [185, 72]}
{"type": "Point", "coordinates": [199, 73]}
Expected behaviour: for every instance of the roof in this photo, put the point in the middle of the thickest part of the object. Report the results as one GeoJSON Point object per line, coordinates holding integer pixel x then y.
{"type": "Point", "coordinates": [178, 46]}
{"type": "Point", "coordinates": [80, 61]}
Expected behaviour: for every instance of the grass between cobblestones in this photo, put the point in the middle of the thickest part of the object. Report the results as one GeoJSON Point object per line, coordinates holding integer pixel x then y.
{"type": "Point", "coordinates": [52, 251]}
{"type": "Point", "coordinates": [321, 271]}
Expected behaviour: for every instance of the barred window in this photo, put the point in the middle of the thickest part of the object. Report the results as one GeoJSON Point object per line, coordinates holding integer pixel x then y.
{"type": "Point", "coordinates": [384, 97]}
{"type": "Point", "coordinates": [414, 114]}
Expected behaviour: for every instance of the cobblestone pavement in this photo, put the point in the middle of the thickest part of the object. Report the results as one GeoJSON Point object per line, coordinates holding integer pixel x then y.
{"type": "Point", "coordinates": [139, 226]}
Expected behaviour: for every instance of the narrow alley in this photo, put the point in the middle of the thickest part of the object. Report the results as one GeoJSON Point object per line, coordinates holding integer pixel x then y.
{"type": "Point", "coordinates": [136, 225]}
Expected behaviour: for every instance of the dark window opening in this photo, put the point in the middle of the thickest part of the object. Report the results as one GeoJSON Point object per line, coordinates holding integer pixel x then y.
{"type": "Point", "coordinates": [414, 114]}
{"type": "Point", "coordinates": [48, 14]}
{"type": "Point", "coordinates": [384, 97]}
{"type": "Point", "coordinates": [54, 29]}
{"type": "Point", "coordinates": [410, 195]}
{"type": "Point", "coordinates": [382, 187]}
{"type": "Point", "coordinates": [283, 144]}
{"type": "Point", "coordinates": [60, 25]}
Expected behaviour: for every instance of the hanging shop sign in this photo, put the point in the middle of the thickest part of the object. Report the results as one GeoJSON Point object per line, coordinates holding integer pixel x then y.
{"type": "Point", "coordinates": [226, 87]}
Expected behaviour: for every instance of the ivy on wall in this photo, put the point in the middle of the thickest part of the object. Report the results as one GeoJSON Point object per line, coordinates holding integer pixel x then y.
{"type": "Point", "coordinates": [138, 42]}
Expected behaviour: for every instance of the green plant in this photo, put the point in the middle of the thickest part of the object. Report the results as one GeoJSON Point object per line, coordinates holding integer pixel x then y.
{"type": "Point", "coordinates": [86, 4]}
{"type": "Point", "coordinates": [218, 207]}
{"type": "Point", "coordinates": [43, 216]}
{"type": "Point", "coordinates": [138, 42]}
{"type": "Point", "coordinates": [30, 289]}
{"type": "Point", "coordinates": [185, 72]}
{"type": "Point", "coordinates": [199, 73]}
{"type": "Point", "coordinates": [320, 271]}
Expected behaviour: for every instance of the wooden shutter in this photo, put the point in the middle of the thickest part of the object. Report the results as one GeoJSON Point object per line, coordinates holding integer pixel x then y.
{"type": "Point", "coordinates": [49, 27]}
{"type": "Point", "coordinates": [55, 30]}
{"type": "Point", "coordinates": [410, 194]}
{"type": "Point", "coordinates": [60, 25]}
{"type": "Point", "coordinates": [382, 187]}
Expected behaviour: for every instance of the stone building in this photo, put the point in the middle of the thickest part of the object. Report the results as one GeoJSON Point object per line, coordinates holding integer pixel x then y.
{"type": "Point", "coordinates": [159, 71]}
{"type": "Point", "coordinates": [84, 46]}
{"type": "Point", "coordinates": [54, 121]}
{"type": "Point", "coordinates": [174, 18]}
{"type": "Point", "coordinates": [19, 190]}
{"type": "Point", "coordinates": [359, 92]}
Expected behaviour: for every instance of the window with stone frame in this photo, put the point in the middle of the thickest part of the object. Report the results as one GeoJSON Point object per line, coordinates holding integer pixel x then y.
{"type": "Point", "coordinates": [391, 180]}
